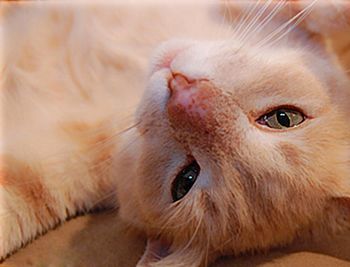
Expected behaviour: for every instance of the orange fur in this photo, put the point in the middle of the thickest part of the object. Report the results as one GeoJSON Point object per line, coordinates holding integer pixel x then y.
{"type": "Point", "coordinates": [258, 187]}
{"type": "Point", "coordinates": [64, 150]}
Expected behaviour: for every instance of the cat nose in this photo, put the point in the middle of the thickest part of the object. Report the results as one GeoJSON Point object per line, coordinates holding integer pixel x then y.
{"type": "Point", "coordinates": [189, 98]}
{"type": "Point", "coordinates": [197, 110]}
{"type": "Point", "coordinates": [180, 84]}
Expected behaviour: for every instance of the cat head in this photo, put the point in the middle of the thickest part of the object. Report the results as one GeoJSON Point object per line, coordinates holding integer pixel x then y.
{"type": "Point", "coordinates": [239, 146]}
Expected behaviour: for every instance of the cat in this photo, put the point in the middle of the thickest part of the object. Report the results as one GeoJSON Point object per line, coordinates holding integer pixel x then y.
{"type": "Point", "coordinates": [235, 147]}
{"type": "Point", "coordinates": [240, 142]}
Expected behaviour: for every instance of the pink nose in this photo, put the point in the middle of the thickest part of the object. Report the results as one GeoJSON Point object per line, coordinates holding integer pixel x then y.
{"type": "Point", "coordinates": [190, 99]}
{"type": "Point", "coordinates": [180, 84]}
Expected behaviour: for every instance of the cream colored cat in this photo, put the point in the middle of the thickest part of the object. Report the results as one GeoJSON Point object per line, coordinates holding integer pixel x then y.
{"type": "Point", "coordinates": [240, 143]}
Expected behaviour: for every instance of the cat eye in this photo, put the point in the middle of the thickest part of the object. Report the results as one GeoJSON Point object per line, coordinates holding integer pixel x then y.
{"type": "Point", "coordinates": [282, 118]}
{"type": "Point", "coordinates": [185, 180]}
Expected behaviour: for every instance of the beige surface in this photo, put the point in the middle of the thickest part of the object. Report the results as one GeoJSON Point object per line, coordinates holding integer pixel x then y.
{"type": "Point", "coordinates": [103, 240]}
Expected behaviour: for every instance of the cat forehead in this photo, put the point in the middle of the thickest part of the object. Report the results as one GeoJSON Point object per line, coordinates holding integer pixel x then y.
{"type": "Point", "coordinates": [260, 72]}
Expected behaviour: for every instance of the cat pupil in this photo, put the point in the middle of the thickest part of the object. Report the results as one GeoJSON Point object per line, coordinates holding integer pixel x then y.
{"type": "Point", "coordinates": [283, 118]}
{"type": "Point", "coordinates": [185, 180]}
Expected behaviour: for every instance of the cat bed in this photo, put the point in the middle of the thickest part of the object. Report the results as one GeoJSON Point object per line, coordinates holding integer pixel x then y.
{"type": "Point", "coordinates": [101, 239]}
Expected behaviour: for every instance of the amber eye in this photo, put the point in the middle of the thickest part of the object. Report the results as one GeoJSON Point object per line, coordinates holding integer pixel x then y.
{"type": "Point", "coordinates": [282, 118]}
{"type": "Point", "coordinates": [185, 180]}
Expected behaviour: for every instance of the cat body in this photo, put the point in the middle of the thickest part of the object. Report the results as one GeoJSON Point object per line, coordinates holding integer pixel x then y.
{"type": "Point", "coordinates": [71, 77]}
{"type": "Point", "coordinates": [67, 144]}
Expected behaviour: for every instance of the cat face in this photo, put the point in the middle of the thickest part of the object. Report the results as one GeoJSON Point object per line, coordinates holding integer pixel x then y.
{"type": "Point", "coordinates": [257, 184]}
{"type": "Point", "coordinates": [218, 169]}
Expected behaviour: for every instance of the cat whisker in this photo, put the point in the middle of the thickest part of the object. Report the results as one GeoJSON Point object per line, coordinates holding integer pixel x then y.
{"type": "Point", "coordinates": [108, 141]}
{"type": "Point", "coordinates": [245, 19]}
{"type": "Point", "coordinates": [268, 18]}
{"type": "Point", "coordinates": [194, 233]}
{"type": "Point", "coordinates": [104, 164]}
{"type": "Point", "coordinates": [106, 127]}
{"type": "Point", "coordinates": [128, 145]}
{"type": "Point", "coordinates": [224, 20]}
{"type": "Point", "coordinates": [173, 216]}
{"type": "Point", "coordinates": [170, 219]}
{"type": "Point", "coordinates": [298, 18]}
{"type": "Point", "coordinates": [206, 263]}
{"type": "Point", "coordinates": [252, 23]}
{"type": "Point", "coordinates": [111, 139]}
{"type": "Point", "coordinates": [291, 28]}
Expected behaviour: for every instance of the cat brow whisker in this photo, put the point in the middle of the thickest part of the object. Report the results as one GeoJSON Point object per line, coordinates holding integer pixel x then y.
{"type": "Point", "coordinates": [291, 28]}
{"type": "Point", "coordinates": [253, 22]}
{"type": "Point", "coordinates": [224, 19]}
{"type": "Point", "coordinates": [227, 22]}
{"type": "Point", "coordinates": [267, 19]}
{"type": "Point", "coordinates": [286, 24]}
{"type": "Point", "coordinates": [245, 18]}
